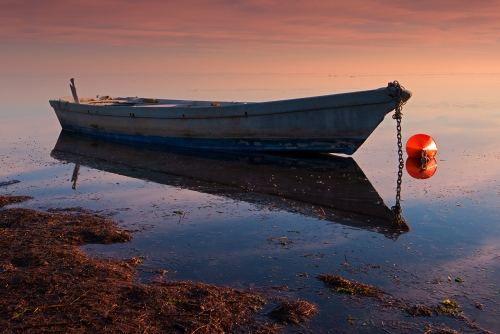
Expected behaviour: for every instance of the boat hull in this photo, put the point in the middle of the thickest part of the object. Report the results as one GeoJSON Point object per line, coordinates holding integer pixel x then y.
{"type": "Point", "coordinates": [337, 123]}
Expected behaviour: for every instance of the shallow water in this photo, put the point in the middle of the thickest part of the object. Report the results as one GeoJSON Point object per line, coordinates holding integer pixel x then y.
{"type": "Point", "coordinates": [239, 220]}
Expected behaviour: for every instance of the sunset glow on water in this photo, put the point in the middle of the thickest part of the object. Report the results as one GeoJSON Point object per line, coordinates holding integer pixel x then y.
{"type": "Point", "coordinates": [446, 53]}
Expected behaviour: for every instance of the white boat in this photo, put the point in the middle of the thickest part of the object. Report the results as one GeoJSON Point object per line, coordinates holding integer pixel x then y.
{"type": "Point", "coordinates": [337, 123]}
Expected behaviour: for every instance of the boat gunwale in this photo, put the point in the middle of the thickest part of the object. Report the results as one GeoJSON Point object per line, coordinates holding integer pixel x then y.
{"type": "Point", "coordinates": [226, 111]}
{"type": "Point", "coordinates": [149, 105]}
{"type": "Point", "coordinates": [220, 116]}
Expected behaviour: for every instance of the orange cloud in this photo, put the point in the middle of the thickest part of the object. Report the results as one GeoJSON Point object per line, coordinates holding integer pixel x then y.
{"type": "Point", "coordinates": [263, 35]}
{"type": "Point", "coordinates": [263, 23]}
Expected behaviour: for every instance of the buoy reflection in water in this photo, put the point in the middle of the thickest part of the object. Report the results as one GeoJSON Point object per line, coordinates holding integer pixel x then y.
{"type": "Point", "coordinates": [419, 170]}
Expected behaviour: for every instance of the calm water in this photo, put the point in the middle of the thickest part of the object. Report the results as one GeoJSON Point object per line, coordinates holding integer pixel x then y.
{"type": "Point", "coordinates": [257, 221]}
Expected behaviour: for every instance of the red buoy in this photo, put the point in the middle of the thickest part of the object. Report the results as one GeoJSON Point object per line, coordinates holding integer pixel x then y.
{"type": "Point", "coordinates": [421, 145]}
{"type": "Point", "coordinates": [419, 170]}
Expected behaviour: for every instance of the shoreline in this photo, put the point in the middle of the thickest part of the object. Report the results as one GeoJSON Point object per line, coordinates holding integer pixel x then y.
{"type": "Point", "coordinates": [51, 284]}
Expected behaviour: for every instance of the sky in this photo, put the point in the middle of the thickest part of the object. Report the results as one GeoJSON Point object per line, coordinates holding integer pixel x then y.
{"type": "Point", "coordinates": [242, 36]}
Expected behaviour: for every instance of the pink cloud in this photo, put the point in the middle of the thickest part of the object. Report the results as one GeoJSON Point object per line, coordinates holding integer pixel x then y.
{"type": "Point", "coordinates": [254, 24]}
{"type": "Point", "coordinates": [260, 35]}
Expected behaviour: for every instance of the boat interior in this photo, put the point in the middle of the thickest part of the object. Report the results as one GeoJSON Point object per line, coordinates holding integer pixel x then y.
{"type": "Point", "coordinates": [106, 100]}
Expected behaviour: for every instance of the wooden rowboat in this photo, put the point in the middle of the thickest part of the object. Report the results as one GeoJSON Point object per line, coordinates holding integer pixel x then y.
{"type": "Point", "coordinates": [337, 123]}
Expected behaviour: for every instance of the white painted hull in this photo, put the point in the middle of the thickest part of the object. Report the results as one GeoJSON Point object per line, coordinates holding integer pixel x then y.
{"type": "Point", "coordinates": [337, 123]}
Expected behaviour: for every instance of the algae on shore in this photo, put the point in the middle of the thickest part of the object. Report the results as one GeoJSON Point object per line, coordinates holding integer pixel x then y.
{"type": "Point", "coordinates": [49, 284]}
{"type": "Point", "coordinates": [294, 311]}
{"type": "Point", "coordinates": [343, 285]}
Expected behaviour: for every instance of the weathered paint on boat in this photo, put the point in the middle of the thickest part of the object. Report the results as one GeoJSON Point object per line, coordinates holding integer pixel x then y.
{"type": "Point", "coordinates": [337, 123]}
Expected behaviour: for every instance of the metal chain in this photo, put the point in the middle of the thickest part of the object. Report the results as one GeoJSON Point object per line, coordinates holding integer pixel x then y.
{"type": "Point", "coordinates": [396, 90]}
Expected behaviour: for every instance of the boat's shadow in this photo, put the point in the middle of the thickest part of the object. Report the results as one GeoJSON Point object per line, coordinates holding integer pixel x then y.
{"type": "Point", "coordinates": [329, 187]}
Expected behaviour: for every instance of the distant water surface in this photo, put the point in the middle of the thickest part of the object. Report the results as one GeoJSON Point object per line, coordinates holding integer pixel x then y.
{"type": "Point", "coordinates": [239, 220]}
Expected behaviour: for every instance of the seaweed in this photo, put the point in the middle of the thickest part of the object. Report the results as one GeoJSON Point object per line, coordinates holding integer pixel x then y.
{"type": "Point", "coordinates": [6, 200]}
{"type": "Point", "coordinates": [50, 285]}
{"type": "Point", "coordinates": [295, 311]}
{"type": "Point", "coordinates": [342, 285]}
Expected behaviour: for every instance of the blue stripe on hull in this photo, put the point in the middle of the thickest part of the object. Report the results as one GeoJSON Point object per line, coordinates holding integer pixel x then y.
{"type": "Point", "coordinates": [336, 145]}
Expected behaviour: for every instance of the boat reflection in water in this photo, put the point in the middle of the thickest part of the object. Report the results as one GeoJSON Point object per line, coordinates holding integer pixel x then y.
{"type": "Point", "coordinates": [329, 187]}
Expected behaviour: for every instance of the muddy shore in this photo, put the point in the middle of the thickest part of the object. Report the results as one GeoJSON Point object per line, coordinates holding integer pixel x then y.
{"type": "Point", "coordinates": [49, 284]}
